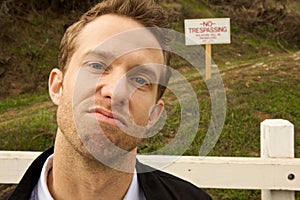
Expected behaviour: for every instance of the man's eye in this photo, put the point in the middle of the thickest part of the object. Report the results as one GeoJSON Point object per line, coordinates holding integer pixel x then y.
{"type": "Point", "coordinates": [140, 81]}
{"type": "Point", "coordinates": [97, 66]}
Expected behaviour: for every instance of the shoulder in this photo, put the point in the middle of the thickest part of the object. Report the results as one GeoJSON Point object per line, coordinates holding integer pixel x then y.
{"type": "Point", "coordinates": [29, 180]}
{"type": "Point", "coordinates": [157, 184]}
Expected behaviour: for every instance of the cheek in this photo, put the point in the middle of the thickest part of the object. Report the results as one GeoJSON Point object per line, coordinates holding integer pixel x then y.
{"type": "Point", "coordinates": [140, 106]}
{"type": "Point", "coordinates": [80, 86]}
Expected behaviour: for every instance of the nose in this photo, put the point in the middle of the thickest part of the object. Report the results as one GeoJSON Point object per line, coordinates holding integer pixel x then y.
{"type": "Point", "coordinates": [115, 89]}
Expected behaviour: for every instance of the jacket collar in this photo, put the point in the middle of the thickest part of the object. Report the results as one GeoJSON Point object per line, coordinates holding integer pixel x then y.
{"type": "Point", "coordinates": [32, 175]}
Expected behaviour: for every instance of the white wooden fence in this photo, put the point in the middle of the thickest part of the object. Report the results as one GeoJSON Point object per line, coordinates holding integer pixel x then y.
{"type": "Point", "coordinates": [276, 172]}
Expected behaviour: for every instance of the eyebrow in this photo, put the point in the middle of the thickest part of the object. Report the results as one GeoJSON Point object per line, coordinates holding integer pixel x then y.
{"type": "Point", "coordinates": [106, 55]}
{"type": "Point", "coordinates": [147, 70]}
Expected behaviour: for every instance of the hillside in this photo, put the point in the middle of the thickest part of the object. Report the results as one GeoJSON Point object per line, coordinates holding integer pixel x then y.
{"type": "Point", "coordinates": [30, 35]}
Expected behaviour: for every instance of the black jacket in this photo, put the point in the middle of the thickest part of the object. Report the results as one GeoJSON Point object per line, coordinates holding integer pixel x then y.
{"type": "Point", "coordinates": [157, 185]}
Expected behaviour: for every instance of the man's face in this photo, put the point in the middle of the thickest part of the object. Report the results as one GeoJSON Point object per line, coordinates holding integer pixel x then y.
{"type": "Point", "coordinates": [110, 87]}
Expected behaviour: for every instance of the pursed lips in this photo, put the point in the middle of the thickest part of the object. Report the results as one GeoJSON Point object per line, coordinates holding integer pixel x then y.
{"type": "Point", "coordinates": [109, 117]}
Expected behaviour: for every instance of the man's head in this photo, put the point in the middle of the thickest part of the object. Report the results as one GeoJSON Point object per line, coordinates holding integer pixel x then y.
{"type": "Point", "coordinates": [107, 89]}
{"type": "Point", "coordinates": [145, 12]}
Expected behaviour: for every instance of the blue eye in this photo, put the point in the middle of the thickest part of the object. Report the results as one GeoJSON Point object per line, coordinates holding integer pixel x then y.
{"type": "Point", "coordinates": [97, 66]}
{"type": "Point", "coordinates": [140, 81]}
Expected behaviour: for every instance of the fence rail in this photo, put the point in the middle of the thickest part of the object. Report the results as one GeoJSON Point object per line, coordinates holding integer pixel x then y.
{"type": "Point", "coordinates": [276, 172]}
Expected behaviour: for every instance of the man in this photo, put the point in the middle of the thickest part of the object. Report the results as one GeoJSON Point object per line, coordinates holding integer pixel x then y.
{"type": "Point", "coordinates": [108, 91]}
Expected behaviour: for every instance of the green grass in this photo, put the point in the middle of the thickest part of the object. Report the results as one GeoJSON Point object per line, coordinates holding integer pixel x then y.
{"type": "Point", "coordinates": [27, 122]}
{"type": "Point", "coordinates": [20, 101]}
{"type": "Point", "coordinates": [35, 132]}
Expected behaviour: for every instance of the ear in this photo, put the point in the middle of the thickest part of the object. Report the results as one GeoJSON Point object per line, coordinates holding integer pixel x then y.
{"type": "Point", "coordinates": [156, 112]}
{"type": "Point", "coordinates": [55, 85]}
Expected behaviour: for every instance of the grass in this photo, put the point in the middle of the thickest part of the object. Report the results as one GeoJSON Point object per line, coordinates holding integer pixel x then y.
{"type": "Point", "coordinates": [20, 101]}
{"type": "Point", "coordinates": [27, 123]}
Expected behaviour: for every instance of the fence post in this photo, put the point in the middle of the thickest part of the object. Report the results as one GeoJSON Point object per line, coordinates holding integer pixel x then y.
{"type": "Point", "coordinates": [277, 141]}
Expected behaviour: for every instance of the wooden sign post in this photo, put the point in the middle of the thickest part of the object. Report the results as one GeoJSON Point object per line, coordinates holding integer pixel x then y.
{"type": "Point", "coordinates": [207, 61]}
{"type": "Point", "coordinates": [207, 32]}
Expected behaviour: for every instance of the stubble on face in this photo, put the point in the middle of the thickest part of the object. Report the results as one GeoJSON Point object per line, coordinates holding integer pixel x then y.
{"type": "Point", "coordinates": [93, 144]}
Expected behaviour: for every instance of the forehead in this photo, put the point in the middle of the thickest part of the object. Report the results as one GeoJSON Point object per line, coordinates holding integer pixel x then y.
{"type": "Point", "coordinates": [115, 33]}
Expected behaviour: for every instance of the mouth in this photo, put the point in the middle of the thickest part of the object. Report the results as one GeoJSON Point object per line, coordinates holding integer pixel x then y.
{"type": "Point", "coordinates": [108, 117]}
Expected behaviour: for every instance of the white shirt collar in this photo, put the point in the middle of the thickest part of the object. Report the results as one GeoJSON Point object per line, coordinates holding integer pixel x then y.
{"type": "Point", "coordinates": [41, 189]}
{"type": "Point", "coordinates": [41, 192]}
{"type": "Point", "coordinates": [135, 192]}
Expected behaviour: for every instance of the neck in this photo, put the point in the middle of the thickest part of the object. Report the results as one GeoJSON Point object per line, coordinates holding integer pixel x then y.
{"type": "Point", "coordinates": [75, 176]}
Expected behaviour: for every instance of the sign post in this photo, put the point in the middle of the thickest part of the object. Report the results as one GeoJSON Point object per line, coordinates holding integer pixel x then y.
{"type": "Point", "coordinates": [207, 61]}
{"type": "Point", "coordinates": [207, 32]}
